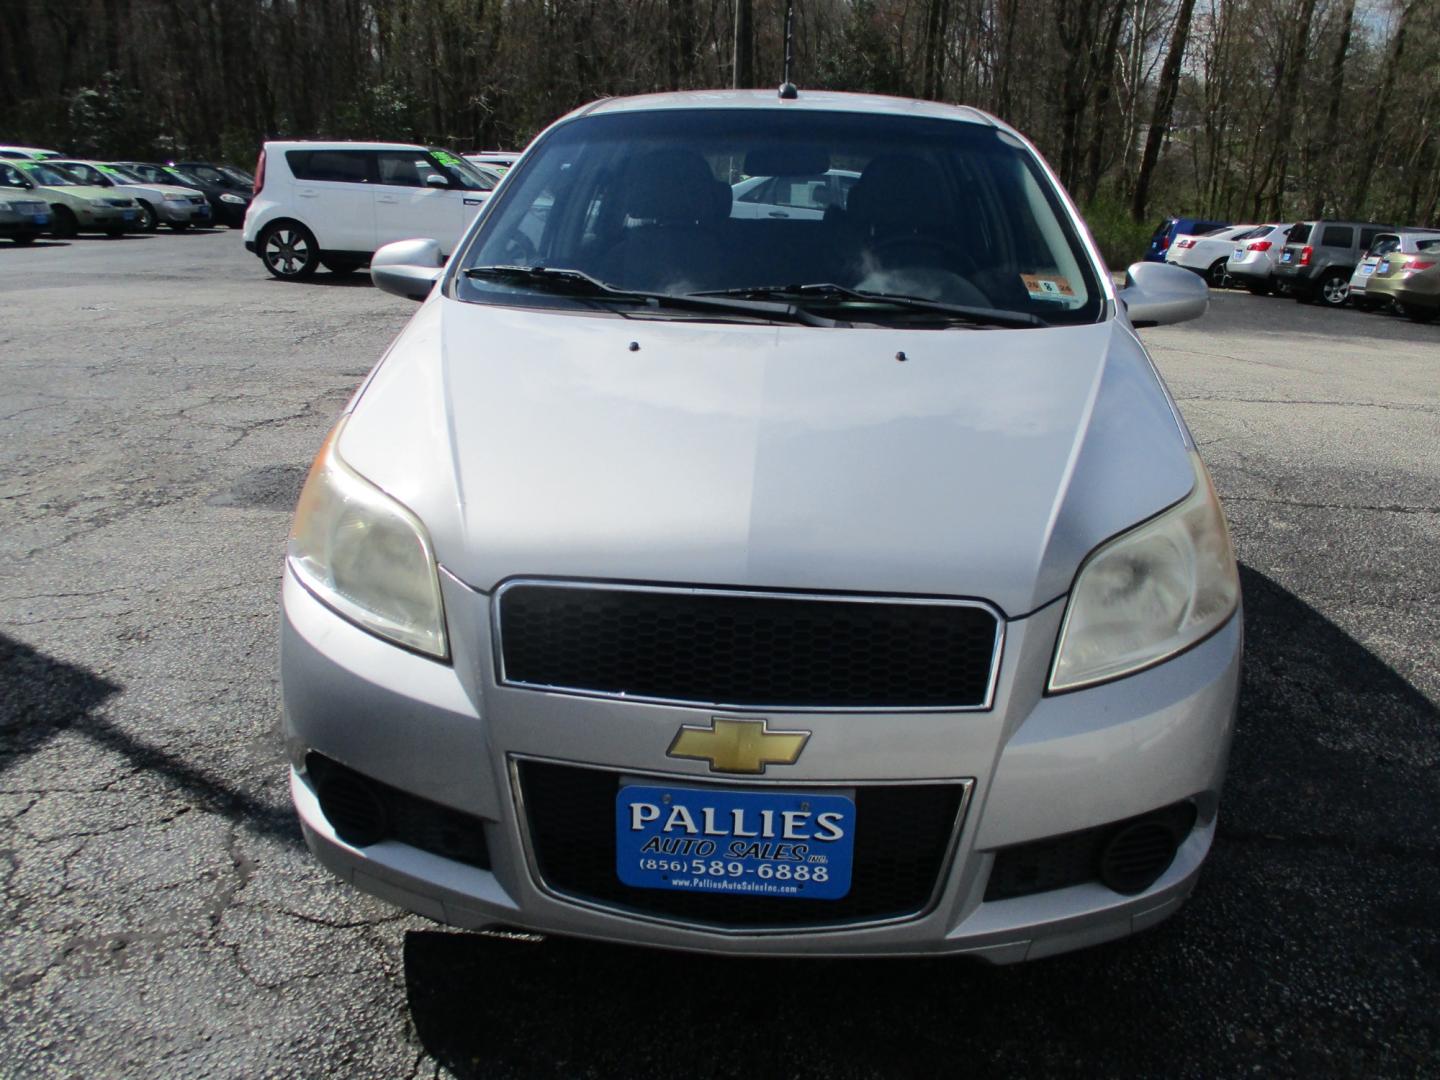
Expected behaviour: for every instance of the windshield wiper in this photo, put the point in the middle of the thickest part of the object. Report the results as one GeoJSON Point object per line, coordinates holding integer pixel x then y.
{"type": "Point", "coordinates": [978, 316]}
{"type": "Point", "coordinates": [579, 283]}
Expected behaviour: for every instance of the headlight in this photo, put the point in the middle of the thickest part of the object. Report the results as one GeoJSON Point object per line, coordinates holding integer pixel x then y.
{"type": "Point", "coordinates": [99, 204]}
{"type": "Point", "coordinates": [177, 198]}
{"type": "Point", "coordinates": [227, 197]}
{"type": "Point", "coordinates": [1149, 593]}
{"type": "Point", "coordinates": [366, 556]}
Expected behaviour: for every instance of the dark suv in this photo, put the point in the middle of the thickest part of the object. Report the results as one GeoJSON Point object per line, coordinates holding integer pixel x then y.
{"type": "Point", "coordinates": [1320, 256]}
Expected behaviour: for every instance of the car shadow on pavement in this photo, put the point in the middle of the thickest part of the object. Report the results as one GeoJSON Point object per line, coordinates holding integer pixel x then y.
{"type": "Point", "coordinates": [1316, 896]}
{"type": "Point", "coordinates": [42, 698]}
{"type": "Point", "coordinates": [355, 279]}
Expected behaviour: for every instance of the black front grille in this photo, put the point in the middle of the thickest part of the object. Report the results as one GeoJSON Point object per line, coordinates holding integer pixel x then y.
{"type": "Point", "coordinates": [743, 649]}
{"type": "Point", "coordinates": [902, 836]}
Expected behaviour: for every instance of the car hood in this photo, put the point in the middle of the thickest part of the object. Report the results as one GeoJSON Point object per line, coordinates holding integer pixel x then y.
{"type": "Point", "coordinates": [985, 463]}
{"type": "Point", "coordinates": [83, 191]}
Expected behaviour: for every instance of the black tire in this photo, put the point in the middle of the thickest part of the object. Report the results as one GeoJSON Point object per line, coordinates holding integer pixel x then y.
{"type": "Point", "coordinates": [1334, 289]}
{"type": "Point", "coordinates": [115, 233]}
{"type": "Point", "coordinates": [149, 220]}
{"type": "Point", "coordinates": [1419, 314]}
{"type": "Point", "coordinates": [1217, 277]}
{"type": "Point", "coordinates": [179, 226]}
{"type": "Point", "coordinates": [289, 251]}
{"type": "Point", "coordinates": [340, 267]}
{"type": "Point", "coordinates": [65, 225]}
{"type": "Point", "coordinates": [26, 238]}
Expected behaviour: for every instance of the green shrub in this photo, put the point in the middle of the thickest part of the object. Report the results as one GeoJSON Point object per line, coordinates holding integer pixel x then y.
{"type": "Point", "coordinates": [1121, 241]}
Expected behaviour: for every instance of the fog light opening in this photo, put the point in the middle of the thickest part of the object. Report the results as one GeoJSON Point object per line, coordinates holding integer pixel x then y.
{"type": "Point", "coordinates": [353, 807]}
{"type": "Point", "coordinates": [1135, 857]}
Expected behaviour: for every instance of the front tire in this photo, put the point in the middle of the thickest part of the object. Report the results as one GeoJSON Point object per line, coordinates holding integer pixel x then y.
{"type": "Point", "coordinates": [149, 220]}
{"type": "Point", "coordinates": [1334, 290]}
{"type": "Point", "coordinates": [66, 225]}
{"type": "Point", "coordinates": [289, 251]}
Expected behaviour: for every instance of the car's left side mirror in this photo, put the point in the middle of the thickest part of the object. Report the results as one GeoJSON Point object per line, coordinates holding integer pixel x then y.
{"type": "Point", "coordinates": [1156, 294]}
{"type": "Point", "coordinates": [408, 268]}
{"type": "Point", "coordinates": [436, 180]}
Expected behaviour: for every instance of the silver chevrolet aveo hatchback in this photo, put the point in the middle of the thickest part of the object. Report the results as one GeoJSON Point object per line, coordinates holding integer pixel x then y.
{"type": "Point", "coordinates": [833, 577]}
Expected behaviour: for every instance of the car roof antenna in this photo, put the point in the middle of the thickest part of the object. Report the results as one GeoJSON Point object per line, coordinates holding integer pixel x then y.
{"type": "Point", "coordinates": [787, 88]}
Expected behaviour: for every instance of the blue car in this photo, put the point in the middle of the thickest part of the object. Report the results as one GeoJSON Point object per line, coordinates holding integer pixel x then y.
{"type": "Point", "coordinates": [1171, 227]}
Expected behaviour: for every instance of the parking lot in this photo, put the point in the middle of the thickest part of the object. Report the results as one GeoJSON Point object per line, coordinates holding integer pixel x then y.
{"type": "Point", "coordinates": [160, 400]}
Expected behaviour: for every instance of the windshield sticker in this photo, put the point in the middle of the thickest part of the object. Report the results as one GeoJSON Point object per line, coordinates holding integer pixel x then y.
{"type": "Point", "coordinates": [1047, 287]}
{"type": "Point", "coordinates": [445, 157]}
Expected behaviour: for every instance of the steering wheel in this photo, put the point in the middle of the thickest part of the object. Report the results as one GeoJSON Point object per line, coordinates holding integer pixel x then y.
{"type": "Point", "coordinates": [954, 257]}
{"type": "Point", "coordinates": [519, 250]}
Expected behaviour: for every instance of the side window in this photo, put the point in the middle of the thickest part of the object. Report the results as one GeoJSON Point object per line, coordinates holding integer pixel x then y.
{"type": "Point", "coordinates": [401, 168]}
{"type": "Point", "coordinates": [761, 193]}
{"type": "Point", "coordinates": [336, 166]}
{"type": "Point", "coordinates": [1337, 236]}
{"type": "Point", "coordinates": [10, 176]}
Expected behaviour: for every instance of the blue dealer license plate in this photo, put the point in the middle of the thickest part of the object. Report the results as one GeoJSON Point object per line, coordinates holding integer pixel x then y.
{"type": "Point", "coordinates": [761, 843]}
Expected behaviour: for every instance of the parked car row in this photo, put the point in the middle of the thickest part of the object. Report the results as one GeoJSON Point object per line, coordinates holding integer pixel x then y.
{"type": "Point", "coordinates": [43, 191]}
{"type": "Point", "coordinates": [1366, 264]}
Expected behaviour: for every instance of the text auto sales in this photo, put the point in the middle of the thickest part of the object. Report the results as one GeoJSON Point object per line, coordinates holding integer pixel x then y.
{"type": "Point", "coordinates": [773, 839]}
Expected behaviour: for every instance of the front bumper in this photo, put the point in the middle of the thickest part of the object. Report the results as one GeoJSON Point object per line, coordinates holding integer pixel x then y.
{"type": "Point", "coordinates": [1037, 767]}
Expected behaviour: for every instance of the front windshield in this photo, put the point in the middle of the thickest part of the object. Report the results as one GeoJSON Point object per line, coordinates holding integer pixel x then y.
{"type": "Point", "coordinates": [50, 175]}
{"type": "Point", "coordinates": [463, 173]}
{"type": "Point", "coordinates": [119, 175]}
{"type": "Point", "coordinates": [172, 175]}
{"type": "Point", "coordinates": [207, 173]}
{"type": "Point", "coordinates": [239, 176]}
{"type": "Point", "coordinates": [680, 202]}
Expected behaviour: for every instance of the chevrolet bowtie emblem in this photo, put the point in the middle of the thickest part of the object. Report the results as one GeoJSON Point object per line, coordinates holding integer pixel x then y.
{"type": "Point", "coordinates": [738, 746]}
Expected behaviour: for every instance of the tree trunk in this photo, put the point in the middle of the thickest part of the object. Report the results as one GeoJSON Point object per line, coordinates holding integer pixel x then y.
{"type": "Point", "coordinates": [1104, 83]}
{"type": "Point", "coordinates": [1164, 107]}
{"type": "Point", "coordinates": [1382, 107]}
{"type": "Point", "coordinates": [744, 69]}
{"type": "Point", "coordinates": [1327, 155]}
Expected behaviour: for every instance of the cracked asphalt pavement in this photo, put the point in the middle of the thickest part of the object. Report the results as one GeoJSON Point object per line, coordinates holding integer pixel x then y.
{"type": "Point", "coordinates": [160, 399]}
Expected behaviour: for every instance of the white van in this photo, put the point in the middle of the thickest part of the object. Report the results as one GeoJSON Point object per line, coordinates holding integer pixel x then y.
{"type": "Point", "coordinates": [333, 204]}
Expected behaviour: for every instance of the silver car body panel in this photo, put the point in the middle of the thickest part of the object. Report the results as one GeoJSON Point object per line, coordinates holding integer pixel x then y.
{"type": "Point", "coordinates": [795, 458]}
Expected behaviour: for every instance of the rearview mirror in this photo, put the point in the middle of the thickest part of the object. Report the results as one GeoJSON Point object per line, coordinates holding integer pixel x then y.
{"type": "Point", "coordinates": [408, 268]}
{"type": "Point", "coordinates": [1156, 294]}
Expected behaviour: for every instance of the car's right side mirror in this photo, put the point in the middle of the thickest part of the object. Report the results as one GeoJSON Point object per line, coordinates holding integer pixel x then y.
{"type": "Point", "coordinates": [408, 268]}
{"type": "Point", "coordinates": [1156, 294]}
